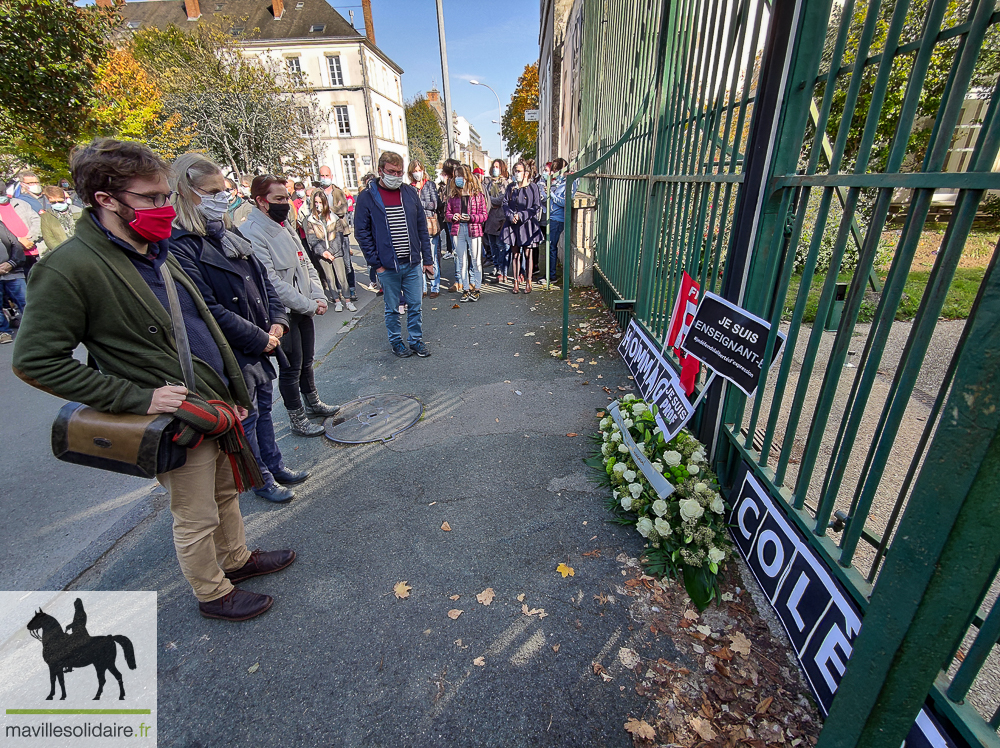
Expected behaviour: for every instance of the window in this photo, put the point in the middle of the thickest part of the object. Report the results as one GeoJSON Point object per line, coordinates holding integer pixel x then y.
{"type": "Point", "coordinates": [402, 131]}
{"type": "Point", "coordinates": [378, 121]}
{"type": "Point", "coordinates": [305, 120]}
{"type": "Point", "coordinates": [336, 72]}
{"type": "Point", "coordinates": [317, 28]}
{"type": "Point", "coordinates": [343, 120]}
{"type": "Point", "coordinates": [350, 170]}
{"type": "Point", "coordinates": [134, 24]}
{"type": "Point", "coordinates": [294, 65]}
{"type": "Point", "coordinates": [218, 7]}
{"type": "Point", "coordinates": [237, 30]}
{"type": "Point", "coordinates": [299, 6]}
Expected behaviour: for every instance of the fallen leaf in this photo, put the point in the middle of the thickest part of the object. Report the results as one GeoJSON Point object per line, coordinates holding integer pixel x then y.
{"type": "Point", "coordinates": [446, 527]}
{"type": "Point", "coordinates": [506, 381]}
{"type": "Point", "coordinates": [640, 729]}
{"type": "Point", "coordinates": [480, 661]}
{"type": "Point", "coordinates": [580, 360]}
{"type": "Point", "coordinates": [529, 334]}
{"type": "Point", "coordinates": [516, 355]}
{"type": "Point", "coordinates": [706, 630]}
{"type": "Point", "coordinates": [540, 612]}
{"type": "Point", "coordinates": [576, 347]}
{"type": "Point", "coordinates": [703, 727]}
{"type": "Point", "coordinates": [629, 657]}
{"type": "Point", "coordinates": [432, 503]}
{"type": "Point", "coordinates": [454, 597]}
{"type": "Point", "coordinates": [520, 598]}
{"type": "Point", "coordinates": [740, 644]}
{"type": "Point", "coordinates": [764, 705]}
{"type": "Point", "coordinates": [555, 647]}
{"type": "Point", "coordinates": [401, 590]}
{"type": "Point", "coordinates": [453, 614]}
{"type": "Point", "coordinates": [427, 632]}
{"type": "Point", "coordinates": [571, 435]}
{"type": "Point", "coordinates": [597, 667]}
{"type": "Point", "coordinates": [457, 306]}
{"type": "Point", "coordinates": [486, 596]}
{"type": "Point", "coordinates": [510, 323]}
{"type": "Point", "coordinates": [690, 615]}
{"type": "Point", "coordinates": [254, 668]}
{"type": "Point", "coordinates": [566, 571]}
{"type": "Point", "coordinates": [498, 420]}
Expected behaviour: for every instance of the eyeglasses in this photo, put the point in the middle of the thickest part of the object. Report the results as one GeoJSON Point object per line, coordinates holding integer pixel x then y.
{"type": "Point", "coordinates": [158, 199]}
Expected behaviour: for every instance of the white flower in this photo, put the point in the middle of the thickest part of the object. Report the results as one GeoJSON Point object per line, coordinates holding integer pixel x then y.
{"type": "Point", "coordinates": [605, 450]}
{"type": "Point", "coordinates": [659, 507]}
{"type": "Point", "coordinates": [629, 398]}
{"type": "Point", "coordinates": [691, 509]}
{"type": "Point", "coordinates": [644, 526]}
{"type": "Point", "coordinates": [614, 492]}
{"type": "Point", "coordinates": [658, 467]}
{"type": "Point", "coordinates": [657, 430]}
{"type": "Point", "coordinates": [642, 447]}
{"type": "Point", "coordinates": [700, 487]}
{"type": "Point", "coordinates": [716, 555]}
{"type": "Point", "coordinates": [698, 455]}
{"type": "Point", "coordinates": [605, 422]}
{"type": "Point", "coordinates": [627, 503]}
{"type": "Point", "coordinates": [628, 423]}
{"type": "Point", "coordinates": [636, 489]}
{"type": "Point", "coordinates": [620, 467]}
{"type": "Point", "coordinates": [623, 449]}
{"type": "Point", "coordinates": [672, 458]}
{"type": "Point", "coordinates": [693, 469]}
{"type": "Point", "coordinates": [717, 505]}
{"type": "Point", "coordinates": [629, 475]}
{"type": "Point", "coordinates": [616, 437]}
{"type": "Point", "coordinates": [662, 527]}
{"type": "Point", "coordinates": [639, 408]}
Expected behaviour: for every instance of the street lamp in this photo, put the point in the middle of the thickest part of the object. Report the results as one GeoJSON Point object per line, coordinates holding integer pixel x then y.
{"type": "Point", "coordinates": [500, 111]}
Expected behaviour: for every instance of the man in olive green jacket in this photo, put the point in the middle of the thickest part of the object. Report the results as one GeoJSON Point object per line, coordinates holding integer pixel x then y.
{"type": "Point", "coordinates": [103, 288]}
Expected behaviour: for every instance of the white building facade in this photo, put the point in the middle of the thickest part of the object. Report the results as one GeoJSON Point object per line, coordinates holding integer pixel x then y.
{"type": "Point", "coordinates": [356, 86]}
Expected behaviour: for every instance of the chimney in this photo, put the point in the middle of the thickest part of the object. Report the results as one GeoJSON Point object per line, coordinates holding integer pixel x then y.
{"type": "Point", "coordinates": [366, 6]}
{"type": "Point", "coordinates": [105, 3]}
{"type": "Point", "coordinates": [278, 8]}
{"type": "Point", "coordinates": [193, 9]}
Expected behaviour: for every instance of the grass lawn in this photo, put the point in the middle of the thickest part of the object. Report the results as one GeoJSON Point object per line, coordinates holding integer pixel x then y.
{"type": "Point", "coordinates": [958, 302]}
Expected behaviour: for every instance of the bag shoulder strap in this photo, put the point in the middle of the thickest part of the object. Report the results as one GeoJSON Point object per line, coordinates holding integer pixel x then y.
{"type": "Point", "coordinates": [180, 330]}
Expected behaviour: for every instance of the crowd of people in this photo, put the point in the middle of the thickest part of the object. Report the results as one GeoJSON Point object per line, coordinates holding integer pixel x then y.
{"type": "Point", "coordinates": [245, 266]}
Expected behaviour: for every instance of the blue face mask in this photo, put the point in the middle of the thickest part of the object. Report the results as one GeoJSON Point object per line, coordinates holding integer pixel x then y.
{"type": "Point", "coordinates": [460, 182]}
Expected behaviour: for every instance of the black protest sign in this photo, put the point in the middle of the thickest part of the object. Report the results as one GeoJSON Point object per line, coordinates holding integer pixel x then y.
{"type": "Point", "coordinates": [657, 380]}
{"type": "Point", "coordinates": [730, 341]}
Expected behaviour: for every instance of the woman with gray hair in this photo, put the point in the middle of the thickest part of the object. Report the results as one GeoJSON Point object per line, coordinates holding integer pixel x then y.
{"type": "Point", "coordinates": [240, 298]}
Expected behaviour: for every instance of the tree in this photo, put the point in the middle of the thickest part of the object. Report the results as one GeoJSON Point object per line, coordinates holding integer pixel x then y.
{"type": "Point", "coordinates": [933, 86]}
{"type": "Point", "coordinates": [249, 113]}
{"type": "Point", "coordinates": [52, 51]}
{"type": "Point", "coordinates": [127, 104]}
{"type": "Point", "coordinates": [521, 136]}
{"type": "Point", "coordinates": [423, 132]}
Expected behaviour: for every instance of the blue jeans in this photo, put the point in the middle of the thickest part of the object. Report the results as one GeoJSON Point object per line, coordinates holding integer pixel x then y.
{"type": "Point", "coordinates": [404, 283]}
{"type": "Point", "coordinates": [259, 429]}
{"type": "Point", "coordinates": [436, 254]}
{"type": "Point", "coordinates": [499, 253]}
{"type": "Point", "coordinates": [11, 288]}
{"type": "Point", "coordinates": [555, 231]}
{"type": "Point", "coordinates": [468, 258]}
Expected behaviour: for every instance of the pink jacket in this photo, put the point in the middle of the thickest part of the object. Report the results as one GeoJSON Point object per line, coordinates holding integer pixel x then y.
{"type": "Point", "coordinates": [479, 209]}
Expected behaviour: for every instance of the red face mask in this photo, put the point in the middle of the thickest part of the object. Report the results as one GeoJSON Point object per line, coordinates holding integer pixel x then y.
{"type": "Point", "coordinates": [153, 224]}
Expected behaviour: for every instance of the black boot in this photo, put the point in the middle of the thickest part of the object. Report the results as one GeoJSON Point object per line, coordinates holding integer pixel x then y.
{"type": "Point", "coordinates": [316, 408]}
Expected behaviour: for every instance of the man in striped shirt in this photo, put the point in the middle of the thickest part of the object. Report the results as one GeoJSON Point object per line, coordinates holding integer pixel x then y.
{"type": "Point", "coordinates": [391, 230]}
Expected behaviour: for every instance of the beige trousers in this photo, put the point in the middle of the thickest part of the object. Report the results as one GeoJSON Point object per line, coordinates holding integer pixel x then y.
{"type": "Point", "coordinates": [209, 537]}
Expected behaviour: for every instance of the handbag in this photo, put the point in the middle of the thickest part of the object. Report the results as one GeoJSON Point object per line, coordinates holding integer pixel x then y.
{"type": "Point", "coordinates": [127, 443]}
{"type": "Point", "coordinates": [433, 228]}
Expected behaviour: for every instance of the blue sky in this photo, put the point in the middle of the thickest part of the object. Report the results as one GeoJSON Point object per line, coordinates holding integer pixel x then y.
{"type": "Point", "coordinates": [488, 40]}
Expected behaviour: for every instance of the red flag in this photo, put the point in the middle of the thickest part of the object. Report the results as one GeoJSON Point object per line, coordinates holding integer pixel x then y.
{"type": "Point", "coordinates": [680, 322]}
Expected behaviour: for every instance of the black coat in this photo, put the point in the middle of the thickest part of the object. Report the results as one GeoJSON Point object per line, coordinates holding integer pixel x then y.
{"type": "Point", "coordinates": [245, 319]}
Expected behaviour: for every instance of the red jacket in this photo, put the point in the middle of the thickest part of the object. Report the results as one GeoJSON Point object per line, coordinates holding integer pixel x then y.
{"type": "Point", "coordinates": [479, 210]}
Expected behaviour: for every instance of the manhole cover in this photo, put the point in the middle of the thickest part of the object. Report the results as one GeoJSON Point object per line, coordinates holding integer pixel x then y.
{"type": "Point", "coordinates": [375, 418]}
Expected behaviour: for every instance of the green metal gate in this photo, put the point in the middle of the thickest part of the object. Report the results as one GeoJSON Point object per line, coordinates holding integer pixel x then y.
{"type": "Point", "coordinates": [763, 148]}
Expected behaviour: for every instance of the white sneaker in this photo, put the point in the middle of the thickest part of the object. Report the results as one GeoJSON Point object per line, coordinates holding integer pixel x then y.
{"type": "Point", "coordinates": [338, 307]}
{"type": "Point", "coordinates": [351, 307]}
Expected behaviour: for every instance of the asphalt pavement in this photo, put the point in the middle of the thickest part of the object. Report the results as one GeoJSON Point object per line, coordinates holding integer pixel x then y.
{"type": "Point", "coordinates": [339, 660]}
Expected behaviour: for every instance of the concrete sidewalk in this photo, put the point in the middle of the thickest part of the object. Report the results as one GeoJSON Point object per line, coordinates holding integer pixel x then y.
{"type": "Point", "coordinates": [341, 660]}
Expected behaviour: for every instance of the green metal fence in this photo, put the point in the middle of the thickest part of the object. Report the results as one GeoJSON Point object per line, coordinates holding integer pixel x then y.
{"type": "Point", "coordinates": [762, 148]}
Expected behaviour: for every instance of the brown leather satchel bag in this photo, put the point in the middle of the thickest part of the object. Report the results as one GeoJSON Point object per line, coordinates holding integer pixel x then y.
{"type": "Point", "coordinates": [432, 226]}
{"type": "Point", "coordinates": [125, 442]}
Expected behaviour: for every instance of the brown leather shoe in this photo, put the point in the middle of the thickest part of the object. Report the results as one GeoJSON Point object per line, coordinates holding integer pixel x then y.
{"type": "Point", "coordinates": [238, 605]}
{"type": "Point", "coordinates": [433, 294]}
{"type": "Point", "coordinates": [261, 562]}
